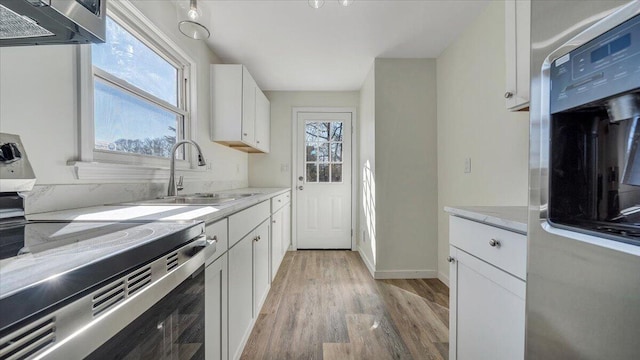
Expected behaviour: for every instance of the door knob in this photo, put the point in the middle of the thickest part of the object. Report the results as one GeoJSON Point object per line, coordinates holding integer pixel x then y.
{"type": "Point", "coordinates": [300, 178]}
{"type": "Point", "coordinates": [300, 187]}
{"type": "Point", "coordinates": [450, 259]}
{"type": "Point", "coordinates": [494, 243]}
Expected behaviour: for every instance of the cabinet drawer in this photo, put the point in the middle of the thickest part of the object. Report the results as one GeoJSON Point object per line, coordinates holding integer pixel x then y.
{"type": "Point", "coordinates": [242, 223]}
{"type": "Point", "coordinates": [509, 252]}
{"type": "Point", "coordinates": [279, 201]}
{"type": "Point", "coordinates": [218, 230]}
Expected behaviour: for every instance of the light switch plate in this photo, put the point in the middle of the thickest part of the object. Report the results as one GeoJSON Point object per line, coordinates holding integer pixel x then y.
{"type": "Point", "coordinates": [467, 165]}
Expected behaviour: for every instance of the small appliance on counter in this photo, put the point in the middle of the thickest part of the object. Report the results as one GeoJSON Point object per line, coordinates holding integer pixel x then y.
{"type": "Point", "coordinates": [583, 274]}
{"type": "Point", "coordinates": [72, 290]}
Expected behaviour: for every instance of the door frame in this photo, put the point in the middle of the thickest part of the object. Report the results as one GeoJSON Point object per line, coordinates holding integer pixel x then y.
{"type": "Point", "coordinates": [294, 164]}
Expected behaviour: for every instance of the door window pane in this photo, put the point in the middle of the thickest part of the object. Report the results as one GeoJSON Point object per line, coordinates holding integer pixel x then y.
{"type": "Point", "coordinates": [336, 131]}
{"type": "Point", "coordinates": [336, 172]}
{"type": "Point", "coordinates": [118, 126]}
{"type": "Point", "coordinates": [312, 173]}
{"type": "Point", "coordinates": [129, 59]}
{"type": "Point", "coordinates": [312, 153]}
{"type": "Point", "coordinates": [323, 172]}
{"type": "Point", "coordinates": [317, 131]}
{"type": "Point", "coordinates": [323, 152]}
{"type": "Point", "coordinates": [336, 152]}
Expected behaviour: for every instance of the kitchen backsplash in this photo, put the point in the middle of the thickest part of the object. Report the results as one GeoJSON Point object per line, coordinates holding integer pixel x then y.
{"type": "Point", "coordinates": [44, 198]}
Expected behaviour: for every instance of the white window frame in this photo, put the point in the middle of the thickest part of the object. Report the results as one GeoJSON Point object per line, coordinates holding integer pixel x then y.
{"type": "Point", "coordinates": [96, 164]}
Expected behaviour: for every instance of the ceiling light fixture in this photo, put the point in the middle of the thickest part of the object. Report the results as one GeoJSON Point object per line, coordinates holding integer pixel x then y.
{"type": "Point", "coordinates": [190, 21]}
{"type": "Point", "coordinates": [316, 4]}
{"type": "Point", "coordinates": [345, 2]}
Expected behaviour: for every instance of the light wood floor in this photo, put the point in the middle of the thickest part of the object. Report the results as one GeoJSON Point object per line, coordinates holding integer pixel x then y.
{"type": "Point", "coordinates": [326, 305]}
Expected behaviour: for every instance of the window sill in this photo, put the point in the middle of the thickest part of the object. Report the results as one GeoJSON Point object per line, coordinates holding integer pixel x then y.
{"type": "Point", "coordinates": [84, 170]}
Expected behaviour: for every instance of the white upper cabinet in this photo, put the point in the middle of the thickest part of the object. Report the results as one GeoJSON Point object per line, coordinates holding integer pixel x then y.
{"type": "Point", "coordinates": [240, 112]}
{"type": "Point", "coordinates": [263, 121]}
{"type": "Point", "coordinates": [517, 51]}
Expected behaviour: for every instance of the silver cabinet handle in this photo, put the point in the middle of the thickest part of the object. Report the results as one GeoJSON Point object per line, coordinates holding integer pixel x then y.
{"type": "Point", "coordinates": [450, 259]}
{"type": "Point", "coordinates": [494, 243]}
{"type": "Point", "coordinates": [508, 95]}
{"type": "Point", "coordinates": [300, 187]}
{"type": "Point", "coordinates": [273, 221]}
{"type": "Point", "coordinates": [245, 134]}
{"type": "Point", "coordinates": [212, 240]}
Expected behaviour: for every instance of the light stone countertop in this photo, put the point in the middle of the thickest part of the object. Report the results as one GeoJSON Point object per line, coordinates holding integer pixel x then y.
{"type": "Point", "coordinates": [512, 218]}
{"type": "Point", "coordinates": [146, 212]}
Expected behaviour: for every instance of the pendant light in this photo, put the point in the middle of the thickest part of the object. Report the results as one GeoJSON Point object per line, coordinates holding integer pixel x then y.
{"type": "Point", "coordinates": [345, 2]}
{"type": "Point", "coordinates": [190, 21]}
{"type": "Point", "coordinates": [316, 4]}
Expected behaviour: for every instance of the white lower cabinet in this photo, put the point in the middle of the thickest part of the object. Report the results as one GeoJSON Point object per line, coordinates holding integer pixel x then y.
{"type": "Point", "coordinates": [280, 237]}
{"type": "Point", "coordinates": [240, 294]}
{"type": "Point", "coordinates": [215, 315]}
{"type": "Point", "coordinates": [237, 282]}
{"type": "Point", "coordinates": [487, 303]}
{"type": "Point", "coordinates": [261, 274]}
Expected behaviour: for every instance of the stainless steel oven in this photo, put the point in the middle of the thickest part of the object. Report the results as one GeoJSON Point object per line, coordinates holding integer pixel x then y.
{"type": "Point", "coordinates": [97, 290]}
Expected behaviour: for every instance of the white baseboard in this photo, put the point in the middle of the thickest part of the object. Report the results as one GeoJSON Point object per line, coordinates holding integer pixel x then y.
{"type": "Point", "coordinates": [367, 262]}
{"type": "Point", "coordinates": [406, 274]}
{"type": "Point", "coordinates": [444, 278]}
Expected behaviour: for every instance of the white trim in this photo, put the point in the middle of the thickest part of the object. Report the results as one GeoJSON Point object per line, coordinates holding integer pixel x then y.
{"type": "Point", "coordinates": [406, 274]}
{"type": "Point", "coordinates": [133, 20]}
{"type": "Point", "coordinates": [294, 159]}
{"type": "Point", "coordinates": [444, 278]}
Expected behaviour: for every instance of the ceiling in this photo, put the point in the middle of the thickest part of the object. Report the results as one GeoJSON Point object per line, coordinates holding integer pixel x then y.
{"type": "Point", "coordinates": [287, 45]}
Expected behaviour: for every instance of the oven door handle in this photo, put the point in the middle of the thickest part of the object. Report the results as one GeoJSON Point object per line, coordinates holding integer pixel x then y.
{"type": "Point", "coordinates": [206, 243]}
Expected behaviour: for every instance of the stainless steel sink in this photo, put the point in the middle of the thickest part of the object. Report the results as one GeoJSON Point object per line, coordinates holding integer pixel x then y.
{"type": "Point", "coordinates": [202, 199]}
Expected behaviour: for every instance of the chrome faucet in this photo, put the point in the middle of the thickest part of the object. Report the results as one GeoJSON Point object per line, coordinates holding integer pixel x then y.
{"type": "Point", "coordinates": [173, 188]}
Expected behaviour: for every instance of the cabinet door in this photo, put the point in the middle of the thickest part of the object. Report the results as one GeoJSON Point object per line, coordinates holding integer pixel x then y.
{"type": "Point", "coordinates": [261, 274]}
{"type": "Point", "coordinates": [215, 315]}
{"type": "Point", "coordinates": [286, 229]}
{"type": "Point", "coordinates": [276, 241]}
{"type": "Point", "coordinates": [490, 311]}
{"type": "Point", "coordinates": [240, 294]}
{"type": "Point", "coordinates": [263, 121]}
{"type": "Point", "coordinates": [248, 108]}
{"type": "Point", "coordinates": [517, 48]}
{"type": "Point", "coordinates": [453, 302]}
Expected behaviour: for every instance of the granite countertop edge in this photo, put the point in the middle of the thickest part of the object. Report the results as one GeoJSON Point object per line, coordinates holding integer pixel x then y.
{"type": "Point", "coordinates": [513, 218]}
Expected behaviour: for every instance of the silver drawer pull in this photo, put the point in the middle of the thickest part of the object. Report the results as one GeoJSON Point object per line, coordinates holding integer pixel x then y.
{"type": "Point", "coordinates": [494, 243]}
{"type": "Point", "coordinates": [450, 259]}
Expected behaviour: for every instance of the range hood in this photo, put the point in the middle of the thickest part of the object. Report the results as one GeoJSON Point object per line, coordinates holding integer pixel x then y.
{"type": "Point", "coordinates": [41, 22]}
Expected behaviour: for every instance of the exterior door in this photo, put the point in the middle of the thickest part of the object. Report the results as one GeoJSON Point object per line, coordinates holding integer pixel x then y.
{"type": "Point", "coordinates": [323, 205]}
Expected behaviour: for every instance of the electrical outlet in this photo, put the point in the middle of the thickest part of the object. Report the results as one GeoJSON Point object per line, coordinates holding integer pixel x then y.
{"type": "Point", "coordinates": [467, 165]}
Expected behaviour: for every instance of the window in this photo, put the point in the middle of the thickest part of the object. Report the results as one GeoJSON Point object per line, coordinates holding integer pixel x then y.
{"type": "Point", "coordinates": [135, 104]}
{"type": "Point", "coordinates": [323, 144]}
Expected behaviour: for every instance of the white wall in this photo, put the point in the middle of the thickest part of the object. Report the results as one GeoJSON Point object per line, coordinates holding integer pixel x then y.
{"type": "Point", "coordinates": [473, 123]}
{"type": "Point", "coordinates": [406, 166]}
{"type": "Point", "coordinates": [274, 169]}
{"type": "Point", "coordinates": [367, 168]}
{"type": "Point", "coordinates": [39, 99]}
{"type": "Point", "coordinates": [398, 169]}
